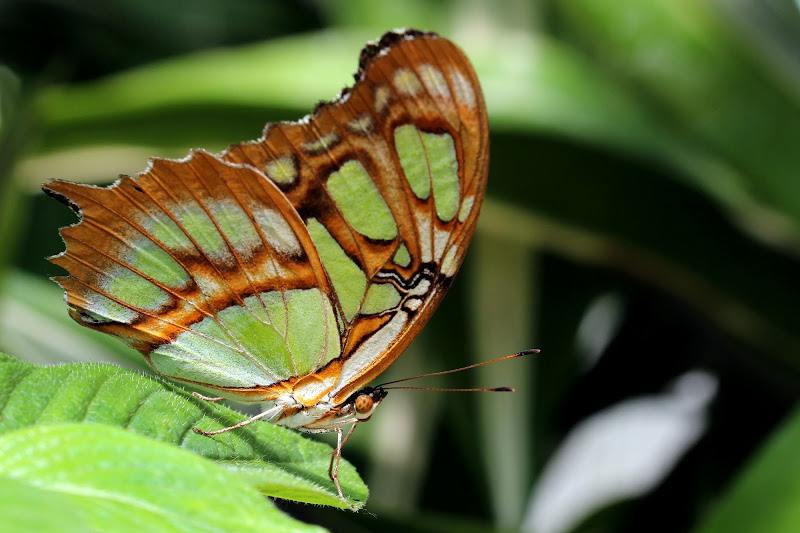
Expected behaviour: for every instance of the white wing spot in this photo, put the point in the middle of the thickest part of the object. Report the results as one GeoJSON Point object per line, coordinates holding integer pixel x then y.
{"type": "Point", "coordinates": [466, 208]}
{"type": "Point", "coordinates": [362, 124]}
{"type": "Point", "coordinates": [322, 143]}
{"type": "Point", "coordinates": [282, 171]}
{"type": "Point", "coordinates": [462, 87]}
{"type": "Point", "coordinates": [440, 241]}
{"type": "Point", "coordinates": [382, 95]}
{"type": "Point", "coordinates": [450, 263]}
{"type": "Point", "coordinates": [424, 229]}
{"type": "Point", "coordinates": [277, 231]}
{"type": "Point", "coordinates": [98, 309]}
{"type": "Point", "coordinates": [421, 288]}
{"type": "Point", "coordinates": [434, 80]}
{"type": "Point", "coordinates": [412, 304]}
{"type": "Point", "coordinates": [406, 82]}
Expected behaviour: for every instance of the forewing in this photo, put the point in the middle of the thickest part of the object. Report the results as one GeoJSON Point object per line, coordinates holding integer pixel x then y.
{"type": "Point", "coordinates": [204, 267]}
{"type": "Point", "coordinates": [388, 179]}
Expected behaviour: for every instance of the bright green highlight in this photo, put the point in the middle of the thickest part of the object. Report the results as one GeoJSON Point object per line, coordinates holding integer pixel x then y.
{"type": "Point", "coordinates": [94, 477]}
{"type": "Point", "coordinates": [402, 257]}
{"type": "Point", "coordinates": [361, 202]}
{"type": "Point", "coordinates": [349, 281]}
{"type": "Point", "coordinates": [444, 173]}
{"type": "Point", "coordinates": [380, 297]}
{"type": "Point", "coordinates": [203, 231]}
{"type": "Point", "coordinates": [237, 227]}
{"type": "Point", "coordinates": [152, 261]}
{"type": "Point", "coordinates": [311, 320]}
{"type": "Point", "coordinates": [413, 159]}
{"type": "Point", "coordinates": [134, 290]}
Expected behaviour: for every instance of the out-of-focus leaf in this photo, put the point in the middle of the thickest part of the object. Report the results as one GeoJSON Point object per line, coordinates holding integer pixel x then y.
{"type": "Point", "coordinates": [420, 14]}
{"type": "Point", "coordinates": [113, 480]}
{"type": "Point", "coordinates": [504, 284]}
{"type": "Point", "coordinates": [233, 85]}
{"type": "Point", "coordinates": [30, 305]}
{"type": "Point", "coordinates": [535, 82]}
{"type": "Point", "coordinates": [704, 81]}
{"type": "Point", "coordinates": [15, 117]}
{"type": "Point", "coordinates": [9, 96]}
{"type": "Point", "coordinates": [278, 461]}
{"type": "Point", "coordinates": [764, 498]}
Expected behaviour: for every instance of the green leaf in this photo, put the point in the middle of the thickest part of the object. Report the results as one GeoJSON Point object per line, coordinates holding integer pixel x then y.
{"type": "Point", "coordinates": [765, 497]}
{"type": "Point", "coordinates": [21, 505]}
{"type": "Point", "coordinates": [16, 117]}
{"type": "Point", "coordinates": [278, 461]}
{"type": "Point", "coordinates": [116, 480]}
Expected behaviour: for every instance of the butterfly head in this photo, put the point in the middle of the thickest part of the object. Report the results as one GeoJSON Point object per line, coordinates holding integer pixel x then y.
{"type": "Point", "coordinates": [365, 401]}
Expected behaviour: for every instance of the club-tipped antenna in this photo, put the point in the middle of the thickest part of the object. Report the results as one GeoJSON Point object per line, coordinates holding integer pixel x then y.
{"type": "Point", "coordinates": [489, 389]}
{"type": "Point", "coordinates": [512, 356]}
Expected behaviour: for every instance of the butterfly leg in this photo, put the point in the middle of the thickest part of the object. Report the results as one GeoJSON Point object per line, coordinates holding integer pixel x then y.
{"type": "Point", "coordinates": [207, 398]}
{"type": "Point", "coordinates": [269, 412]}
{"type": "Point", "coordinates": [333, 469]}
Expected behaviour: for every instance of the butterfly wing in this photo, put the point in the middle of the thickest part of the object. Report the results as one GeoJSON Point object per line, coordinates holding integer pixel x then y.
{"type": "Point", "coordinates": [389, 179]}
{"type": "Point", "coordinates": [313, 254]}
{"type": "Point", "coordinates": [204, 267]}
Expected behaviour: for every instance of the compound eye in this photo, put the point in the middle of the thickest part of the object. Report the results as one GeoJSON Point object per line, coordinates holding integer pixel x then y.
{"type": "Point", "coordinates": [363, 404]}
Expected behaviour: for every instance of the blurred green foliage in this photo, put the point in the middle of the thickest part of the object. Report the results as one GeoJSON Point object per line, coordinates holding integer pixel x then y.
{"type": "Point", "coordinates": [642, 221]}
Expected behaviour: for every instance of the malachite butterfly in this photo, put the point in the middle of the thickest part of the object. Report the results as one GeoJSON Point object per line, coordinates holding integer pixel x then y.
{"type": "Point", "coordinates": [293, 269]}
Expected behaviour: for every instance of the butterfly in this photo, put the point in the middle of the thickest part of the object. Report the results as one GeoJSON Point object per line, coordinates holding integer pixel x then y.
{"type": "Point", "coordinates": [294, 269]}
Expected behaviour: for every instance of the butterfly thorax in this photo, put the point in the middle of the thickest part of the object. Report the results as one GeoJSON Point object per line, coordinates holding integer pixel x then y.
{"type": "Point", "coordinates": [324, 415]}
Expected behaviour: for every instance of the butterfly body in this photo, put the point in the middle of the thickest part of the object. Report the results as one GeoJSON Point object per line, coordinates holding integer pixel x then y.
{"type": "Point", "coordinates": [293, 269]}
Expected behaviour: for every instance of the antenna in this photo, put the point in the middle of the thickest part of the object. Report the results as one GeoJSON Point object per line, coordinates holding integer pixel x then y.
{"type": "Point", "coordinates": [495, 389]}
{"type": "Point", "coordinates": [492, 389]}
